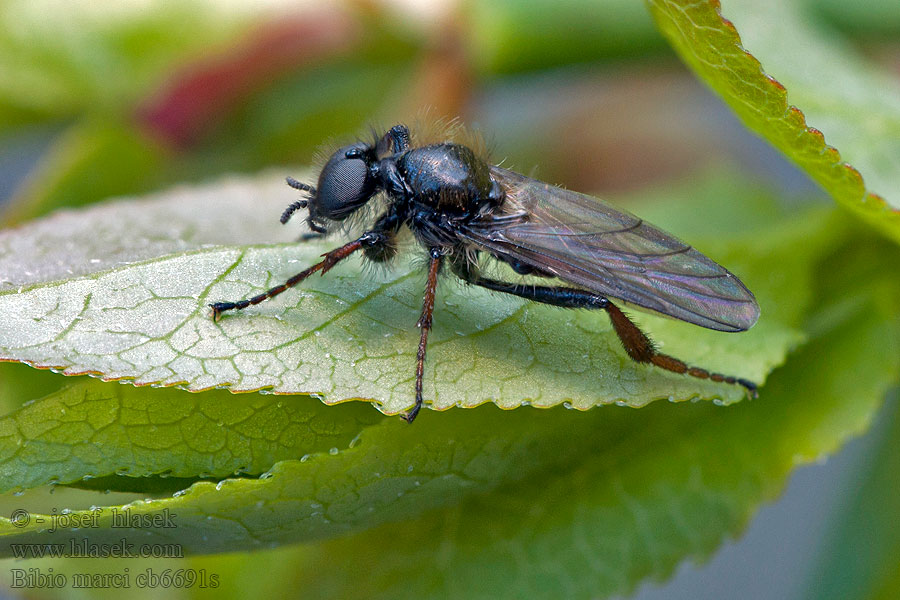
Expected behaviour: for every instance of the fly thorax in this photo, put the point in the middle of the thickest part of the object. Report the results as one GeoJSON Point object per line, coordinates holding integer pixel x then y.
{"type": "Point", "coordinates": [446, 177]}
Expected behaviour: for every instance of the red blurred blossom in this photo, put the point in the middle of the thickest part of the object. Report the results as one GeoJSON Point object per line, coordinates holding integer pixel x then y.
{"type": "Point", "coordinates": [203, 93]}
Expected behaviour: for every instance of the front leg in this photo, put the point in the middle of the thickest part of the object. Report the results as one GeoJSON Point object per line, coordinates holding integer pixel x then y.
{"type": "Point", "coordinates": [395, 141]}
{"type": "Point", "coordinates": [375, 241]}
{"type": "Point", "coordinates": [385, 247]}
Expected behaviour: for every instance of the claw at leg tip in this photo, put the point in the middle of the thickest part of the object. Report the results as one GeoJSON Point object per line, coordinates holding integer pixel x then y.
{"type": "Point", "coordinates": [411, 415]}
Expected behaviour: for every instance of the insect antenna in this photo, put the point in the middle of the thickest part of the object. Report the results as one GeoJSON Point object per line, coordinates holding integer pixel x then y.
{"type": "Point", "coordinates": [299, 185]}
{"type": "Point", "coordinates": [290, 210]}
{"type": "Point", "coordinates": [295, 206]}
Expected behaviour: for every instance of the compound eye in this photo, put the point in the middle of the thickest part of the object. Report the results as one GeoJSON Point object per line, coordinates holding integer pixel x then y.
{"type": "Point", "coordinates": [344, 184]}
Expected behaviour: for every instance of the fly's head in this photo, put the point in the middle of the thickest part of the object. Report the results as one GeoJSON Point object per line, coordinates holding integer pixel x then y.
{"type": "Point", "coordinates": [352, 176]}
{"type": "Point", "coordinates": [346, 182]}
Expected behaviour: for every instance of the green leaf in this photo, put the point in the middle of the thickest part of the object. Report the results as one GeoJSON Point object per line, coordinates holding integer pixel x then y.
{"type": "Point", "coordinates": [391, 471]}
{"type": "Point", "coordinates": [20, 383]}
{"type": "Point", "coordinates": [859, 556]}
{"type": "Point", "coordinates": [791, 83]}
{"type": "Point", "coordinates": [872, 20]}
{"type": "Point", "coordinates": [91, 430]}
{"type": "Point", "coordinates": [658, 485]}
{"type": "Point", "coordinates": [345, 336]}
{"type": "Point", "coordinates": [89, 161]}
{"type": "Point", "coordinates": [507, 36]}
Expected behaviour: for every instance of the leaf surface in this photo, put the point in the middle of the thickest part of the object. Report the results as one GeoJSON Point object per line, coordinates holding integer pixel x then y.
{"type": "Point", "coordinates": [91, 430]}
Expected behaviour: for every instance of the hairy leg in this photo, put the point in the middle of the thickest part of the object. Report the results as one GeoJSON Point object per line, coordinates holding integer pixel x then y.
{"type": "Point", "coordinates": [369, 240]}
{"type": "Point", "coordinates": [637, 344]}
{"type": "Point", "coordinates": [434, 267]}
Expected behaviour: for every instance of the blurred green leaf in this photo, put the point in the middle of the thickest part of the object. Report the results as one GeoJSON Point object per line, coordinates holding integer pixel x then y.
{"type": "Point", "coordinates": [90, 161]}
{"type": "Point", "coordinates": [97, 158]}
{"type": "Point", "coordinates": [91, 58]}
{"type": "Point", "coordinates": [289, 120]}
{"type": "Point", "coordinates": [872, 18]}
{"type": "Point", "coordinates": [505, 36]}
{"type": "Point", "coordinates": [855, 105]}
{"type": "Point", "coordinates": [859, 556]}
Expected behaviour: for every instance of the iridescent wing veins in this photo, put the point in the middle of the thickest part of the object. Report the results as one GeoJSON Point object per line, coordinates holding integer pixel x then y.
{"type": "Point", "coordinates": [588, 243]}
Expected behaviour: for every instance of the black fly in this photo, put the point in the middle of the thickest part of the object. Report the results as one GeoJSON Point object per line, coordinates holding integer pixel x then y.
{"type": "Point", "coordinates": [457, 206]}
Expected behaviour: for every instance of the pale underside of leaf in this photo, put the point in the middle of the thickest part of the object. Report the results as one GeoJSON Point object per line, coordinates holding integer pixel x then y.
{"type": "Point", "coordinates": [342, 336]}
{"type": "Point", "coordinates": [70, 243]}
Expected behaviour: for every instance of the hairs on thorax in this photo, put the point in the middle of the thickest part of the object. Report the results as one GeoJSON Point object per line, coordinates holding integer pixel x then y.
{"type": "Point", "coordinates": [425, 129]}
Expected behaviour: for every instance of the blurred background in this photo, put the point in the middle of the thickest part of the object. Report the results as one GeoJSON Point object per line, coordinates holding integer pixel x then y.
{"type": "Point", "coordinates": [101, 99]}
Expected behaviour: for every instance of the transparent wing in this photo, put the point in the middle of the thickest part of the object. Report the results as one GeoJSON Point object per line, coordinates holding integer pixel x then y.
{"type": "Point", "coordinates": [588, 243]}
